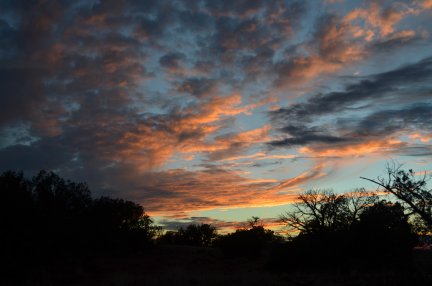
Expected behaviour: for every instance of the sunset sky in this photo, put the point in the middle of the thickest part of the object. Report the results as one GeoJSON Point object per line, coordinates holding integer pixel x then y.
{"type": "Point", "coordinates": [214, 111]}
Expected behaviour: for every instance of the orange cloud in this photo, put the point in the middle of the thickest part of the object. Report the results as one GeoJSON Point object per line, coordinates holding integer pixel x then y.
{"type": "Point", "coordinates": [187, 131]}
{"type": "Point", "coordinates": [259, 156]}
{"type": "Point", "coordinates": [215, 188]}
{"type": "Point", "coordinates": [382, 19]}
{"type": "Point", "coordinates": [342, 40]}
{"type": "Point", "coordinates": [354, 150]}
{"type": "Point", "coordinates": [422, 137]}
{"type": "Point", "coordinates": [336, 44]}
{"type": "Point", "coordinates": [426, 4]}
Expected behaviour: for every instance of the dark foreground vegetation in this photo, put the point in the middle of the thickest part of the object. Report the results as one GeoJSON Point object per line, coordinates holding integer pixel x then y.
{"type": "Point", "coordinates": [55, 233]}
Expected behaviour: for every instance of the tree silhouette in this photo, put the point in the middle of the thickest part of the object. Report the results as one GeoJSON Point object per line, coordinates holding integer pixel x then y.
{"type": "Point", "coordinates": [247, 242]}
{"type": "Point", "coordinates": [49, 216]}
{"type": "Point", "coordinates": [324, 211]}
{"type": "Point", "coordinates": [193, 234]}
{"type": "Point", "coordinates": [17, 215]}
{"type": "Point", "coordinates": [412, 192]}
{"type": "Point", "coordinates": [383, 235]}
{"type": "Point", "coordinates": [343, 231]}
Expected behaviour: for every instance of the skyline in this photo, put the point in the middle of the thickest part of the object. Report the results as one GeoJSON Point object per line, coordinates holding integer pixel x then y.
{"type": "Point", "coordinates": [215, 111]}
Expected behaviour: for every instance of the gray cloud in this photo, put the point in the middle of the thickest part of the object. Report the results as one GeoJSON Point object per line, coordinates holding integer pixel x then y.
{"type": "Point", "coordinates": [401, 102]}
{"type": "Point", "coordinates": [412, 78]}
{"type": "Point", "coordinates": [172, 60]}
{"type": "Point", "coordinates": [302, 135]}
{"type": "Point", "coordinates": [388, 121]}
{"type": "Point", "coordinates": [198, 86]}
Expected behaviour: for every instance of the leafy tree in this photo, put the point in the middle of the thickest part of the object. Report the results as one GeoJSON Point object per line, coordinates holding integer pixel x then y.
{"type": "Point", "coordinates": [408, 189]}
{"type": "Point", "coordinates": [54, 194]}
{"type": "Point", "coordinates": [48, 215]}
{"type": "Point", "coordinates": [383, 235]}
{"type": "Point", "coordinates": [169, 237]}
{"type": "Point", "coordinates": [117, 214]}
{"type": "Point", "coordinates": [198, 234]}
{"type": "Point", "coordinates": [17, 214]}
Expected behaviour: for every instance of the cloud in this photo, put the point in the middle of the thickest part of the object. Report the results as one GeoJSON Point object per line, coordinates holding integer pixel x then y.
{"type": "Point", "coordinates": [171, 60]}
{"type": "Point", "coordinates": [363, 148]}
{"type": "Point", "coordinates": [389, 121]}
{"type": "Point", "coordinates": [333, 44]}
{"type": "Point", "coordinates": [82, 85]}
{"type": "Point", "coordinates": [382, 18]}
{"type": "Point", "coordinates": [235, 144]}
{"type": "Point", "coordinates": [163, 101]}
{"type": "Point", "coordinates": [178, 192]}
{"type": "Point", "coordinates": [426, 4]}
{"type": "Point", "coordinates": [198, 86]}
{"type": "Point", "coordinates": [401, 107]}
{"type": "Point", "coordinates": [301, 135]}
{"type": "Point", "coordinates": [378, 87]}
{"type": "Point", "coordinates": [341, 40]}
{"type": "Point", "coordinates": [399, 39]}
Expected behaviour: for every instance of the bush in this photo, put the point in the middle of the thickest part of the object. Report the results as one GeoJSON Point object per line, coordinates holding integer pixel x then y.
{"type": "Point", "coordinates": [247, 242]}
{"type": "Point", "coordinates": [193, 234]}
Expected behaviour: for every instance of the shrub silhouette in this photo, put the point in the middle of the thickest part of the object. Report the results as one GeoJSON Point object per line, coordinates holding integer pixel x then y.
{"type": "Point", "coordinates": [247, 242]}
{"type": "Point", "coordinates": [193, 234]}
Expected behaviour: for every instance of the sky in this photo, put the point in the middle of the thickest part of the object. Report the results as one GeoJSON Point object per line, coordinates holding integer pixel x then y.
{"type": "Point", "coordinates": [215, 111]}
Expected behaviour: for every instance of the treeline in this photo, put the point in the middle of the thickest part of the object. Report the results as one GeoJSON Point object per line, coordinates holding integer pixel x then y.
{"type": "Point", "coordinates": [247, 241]}
{"type": "Point", "coordinates": [47, 218]}
{"type": "Point", "coordinates": [346, 231]}
{"type": "Point", "coordinates": [354, 230]}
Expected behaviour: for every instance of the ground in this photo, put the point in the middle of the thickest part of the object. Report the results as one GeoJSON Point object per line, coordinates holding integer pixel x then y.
{"type": "Point", "coordinates": [181, 265]}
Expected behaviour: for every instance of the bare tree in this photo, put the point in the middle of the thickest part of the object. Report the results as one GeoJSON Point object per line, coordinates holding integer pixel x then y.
{"type": "Point", "coordinates": [358, 201]}
{"type": "Point", "coordinates": [323, 210]}
{"type": "Point", "coordinates": [409, 189]}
